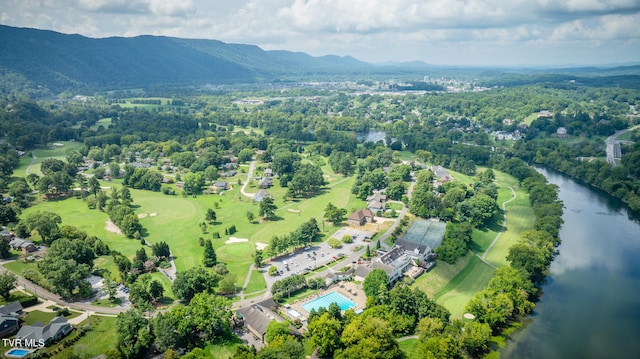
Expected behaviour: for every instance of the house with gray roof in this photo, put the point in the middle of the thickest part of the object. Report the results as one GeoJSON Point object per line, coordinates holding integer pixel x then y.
{"type": "Point", "coordinates": [12, 309]}
{"type": "Point", "coordinates": [257, 317]}
{"type": "Point", "coordinates": [8, 325]}
{"type": "Point", "coordinates": [22, 245]}
{"type": "Point", "coordinates": [57, 329]}
{"type": "Point", "coordinates": [260, 195]}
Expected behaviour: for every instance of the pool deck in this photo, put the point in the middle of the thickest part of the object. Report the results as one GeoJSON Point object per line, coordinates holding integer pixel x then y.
{"type": "Point", "coordinates": [347, 289]}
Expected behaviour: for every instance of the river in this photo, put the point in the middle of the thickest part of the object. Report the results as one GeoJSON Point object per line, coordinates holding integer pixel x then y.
{"type": "Point", "coordinates": [591, 302]}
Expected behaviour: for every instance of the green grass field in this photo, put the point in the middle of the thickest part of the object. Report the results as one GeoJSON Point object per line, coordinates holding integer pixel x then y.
{"type": "Point", "coordinates": [461, 289]}
{"type": "Point", "coordinates": [409, 347]}
{"type": "Point", "coordinates": [99, 339]}
{"type": "Point", "coordinates": [176, 220]}
{"type": "Point", "coordinates": [453, 285]}
{"type": "Point", "coordinates": [256, 282]}
{"type": "Point", "coordinates": [30, 165]}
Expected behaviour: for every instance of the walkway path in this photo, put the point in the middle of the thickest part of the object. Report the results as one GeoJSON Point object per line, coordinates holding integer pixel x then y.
{"type": "Point", "coordinates": [252, 167]}
{"type": "Point", "coordinates": [504, 227]}
{"type": "Point", "coordinates": [31, 164]}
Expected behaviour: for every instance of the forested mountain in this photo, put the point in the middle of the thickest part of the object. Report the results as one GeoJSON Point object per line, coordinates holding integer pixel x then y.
{"type": "Point", "coordinates": [32, 58]}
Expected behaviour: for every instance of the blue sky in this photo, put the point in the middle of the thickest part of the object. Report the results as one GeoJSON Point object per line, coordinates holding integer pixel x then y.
{"type": "Point", "coordinates": [442, 32]}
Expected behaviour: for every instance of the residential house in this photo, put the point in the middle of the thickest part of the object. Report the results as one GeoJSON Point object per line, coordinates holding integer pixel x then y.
{"type": "Point", "coordinates": [221, 185]}
{"type": "Point", "coordinates": [57, 329]}
{"type": "Point", "coordinates": [6, 235]}
{"type": "Point", "coordinates": [13, 309]}
{"type": "Point", "coordinates": [268, 172]}
{"type": "Point", "coordinates": [561, 132]}
{"type": "Point", "coordinates": [265, 183]}
{"type": "Point", "coordinates": [8, 325]}
{"type": "Point", "coordinates": [260, 195]}
{"type": "Point", "coordinates": [257, 317]}
{"type": "Point", "coordinates": [441, 174]}
{"type": "Point", "coordinates": [360, 217]}
{"type": "Point", "coordinates": [545, 113]}
{"type": "Point", "coordinates": [22, 245]}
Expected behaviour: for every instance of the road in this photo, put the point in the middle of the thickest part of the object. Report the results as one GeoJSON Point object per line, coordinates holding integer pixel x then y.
{"type": "Point", "coordinates": [252, 167]}
{"type": "Point", "coordinates": [45, 294]}
{"type": "Point", "coordinates": [401, 215]}
{"type": "Point", "coordinates": [610, 143]}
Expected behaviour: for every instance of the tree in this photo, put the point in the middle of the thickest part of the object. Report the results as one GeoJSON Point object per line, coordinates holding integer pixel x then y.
{"type": "Point", "coordinates": [193, 183]}
{"type": "Point", "coordinates": [66, 265]}
{"type": "Point", "coordinates": [325, 332]}
{"type": "Point", "coordinates": [374, 281]}
{"type": "Point", "coordinates": [5, 249]}
{"type": "Point", "coordinates": [267, 208]}
{"type": "Point", "coordinates": [45, 223]}
{"type": "Point", "coordinates": [276, 329]}
{"type": "Point", "coordinates": [156, 290]}
{"type": "Point", "coordinates": [134, 336]}
{"type": "Point", "coordinates": [258, 258]}
{"type": "Point", "coordinates": [367, 253]}
{"type": "Point", "coordinates": [211, 216]}
{"type": "Point", "coordinates": [228, 284]}
{"type": "Point", "coordinates": [334, 214]}
{"type": "Point", "coordinates": [334, 243]}
{"type": "Point", "coordinates": [210, 258]}
{"type": "Point", "coordinates": [368, 339]}
{"type": "Point", "coordinates": [7, 215]}
{"type": "Point", "coordinates": [161, 249]}
{"type": "Point", "coordinates": [250, 216]}
{"type": "Point", "coordinates": [193, 281]}
{"type": "Point", "coordinates": [7, 284]}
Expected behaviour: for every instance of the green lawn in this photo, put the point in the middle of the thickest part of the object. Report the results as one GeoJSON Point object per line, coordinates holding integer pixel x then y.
{"type": "Point", "coordinates": [256, 282]}
{"type": "Point", "coordinates": [41, 154]}
{"type": "Point", "coordinates": [176, 221]}
{"type": "Point", "coordinates": [454, 285]}
{"type": "Point", "coordinates": [461, 289]}
{"type": "Point", "coordinates": [409, 347]}
{"type": "Point", "coordinates": [98, 340]}
{"type": "Point", "coordinates": [519, 219]}
{"type": "Point", "coordinates": [14, 296]}
{"type": "Point", "coordinates": [45, 317]}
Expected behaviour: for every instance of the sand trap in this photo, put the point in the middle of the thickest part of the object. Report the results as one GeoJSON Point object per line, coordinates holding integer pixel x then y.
{"type": "Point", "coordinates": [236, 240]}
{"type": "Point", "coordinates": [293, 210]}
{"type": "Point", "coordinates": [469, 316]}
{"type": "Point", "coordinates": [153, 214]}
{"type": "Point", "coordinates": [105, 187]}
{"type": "Point", "coordinates": [260, 246]}
{"type": "Point", "coordinates": [142, 215]}
{"type": "Point", "coordinates": [111, 227]}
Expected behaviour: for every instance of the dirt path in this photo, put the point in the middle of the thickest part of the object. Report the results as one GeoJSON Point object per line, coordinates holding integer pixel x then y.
{"type": "Point", "coordinates": [504, 226]}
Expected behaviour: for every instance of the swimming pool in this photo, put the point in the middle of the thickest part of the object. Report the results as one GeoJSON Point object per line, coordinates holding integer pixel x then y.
{"type": "Point", "coordinates": [16, 353]}
{"type": "Point", "coordinates": [327, 299]}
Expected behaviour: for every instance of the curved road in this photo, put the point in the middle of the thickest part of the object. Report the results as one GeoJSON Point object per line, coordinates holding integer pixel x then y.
{"type": "Point", "coordinates": [610, 144]}
{"type": "Point", "coordinates": [252, 167]}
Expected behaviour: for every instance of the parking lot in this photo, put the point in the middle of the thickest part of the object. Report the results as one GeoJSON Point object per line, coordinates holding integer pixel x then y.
{"type": "Point", "coordinates": [317, 255]}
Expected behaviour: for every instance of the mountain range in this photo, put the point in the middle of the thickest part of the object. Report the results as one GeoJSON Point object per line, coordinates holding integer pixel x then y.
{"type": "Point", "coordinates": [60, 61]}
{"type": "Point", "coordinates": [42, 63]}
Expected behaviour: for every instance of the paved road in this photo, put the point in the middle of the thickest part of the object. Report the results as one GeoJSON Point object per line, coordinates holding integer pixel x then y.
{"type": "Point", "coordinates": [252, 167]}
{"type": "Point", "coordinates": [45, 294]}
{"type": "Point", "coordinates": [401, 215]}
{"type": "Point", "coordinates": [610, 143]}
